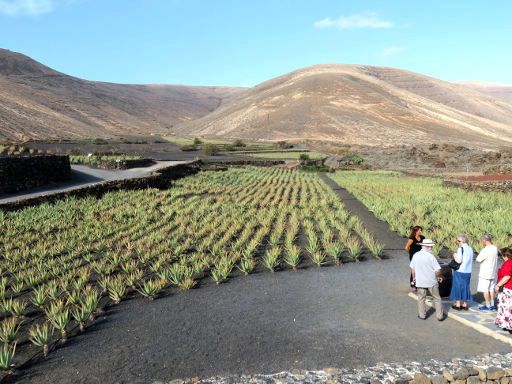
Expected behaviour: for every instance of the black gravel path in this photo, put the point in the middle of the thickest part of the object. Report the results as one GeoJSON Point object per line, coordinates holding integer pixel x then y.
{"type": "Point", "coordinates": [392, 240]}
{"type": "Point", "coordinates": [349, 316]}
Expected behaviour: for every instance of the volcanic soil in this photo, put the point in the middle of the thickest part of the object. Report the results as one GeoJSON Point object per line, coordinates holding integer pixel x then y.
{"type": "Point", "coordinates": [349, 316]}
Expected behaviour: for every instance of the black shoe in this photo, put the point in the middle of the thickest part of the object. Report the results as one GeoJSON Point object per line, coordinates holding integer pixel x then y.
{"type": "Point", "coordinates": [443, 317]}
{"type": "Point", "coordinates": [456, 307]}
{"type": "Point", "coordinates": [422, 318]}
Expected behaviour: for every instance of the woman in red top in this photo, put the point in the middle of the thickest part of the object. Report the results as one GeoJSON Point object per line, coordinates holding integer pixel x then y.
{"type": "Point", "coordinates": [504, 316]}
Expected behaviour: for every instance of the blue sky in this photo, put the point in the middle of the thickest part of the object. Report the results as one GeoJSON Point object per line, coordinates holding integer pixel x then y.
{"type": "Point", "coordinates": [244, 42]}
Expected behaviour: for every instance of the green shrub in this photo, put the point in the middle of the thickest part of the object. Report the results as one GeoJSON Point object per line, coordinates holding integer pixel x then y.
{"type": "Point", "coordinates": [188, 147]}
{"type": "Point", "coordinates": [304, 157]}
{"type": "Point", "coordinates": [239, 143]}
{"type": "Point", "coordinates": [99, 141]}
{"type": "Point", "coordinates": [210, 149]}
{"type": "Point", "coordinates": [197, 141]}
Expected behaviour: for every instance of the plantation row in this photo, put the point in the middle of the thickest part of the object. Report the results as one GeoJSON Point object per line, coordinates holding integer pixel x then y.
{"type": "Point", "coordinates": [443, 212]}
{"type": "Point", "coordinates": [61, 262]}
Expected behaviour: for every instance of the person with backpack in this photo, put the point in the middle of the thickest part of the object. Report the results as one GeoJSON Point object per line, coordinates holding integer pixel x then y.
{"type": "Point", "coordinates": [488, 259]}
{"type": "Point", "coordinates": [461, 291]}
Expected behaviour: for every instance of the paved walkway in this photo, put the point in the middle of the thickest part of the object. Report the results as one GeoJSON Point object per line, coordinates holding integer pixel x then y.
{"type": "Point", "coordinates": [482, 322]}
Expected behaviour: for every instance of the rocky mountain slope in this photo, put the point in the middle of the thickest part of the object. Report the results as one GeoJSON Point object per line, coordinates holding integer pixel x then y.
{"type": "Point", "coordinates": [352, 104]}
{"type": "Point", "coordinates": [503, 91]}
{"type": "Point", "coordinates": [39, 102]}
{"type": "Point", "coordinates": [360, 105]}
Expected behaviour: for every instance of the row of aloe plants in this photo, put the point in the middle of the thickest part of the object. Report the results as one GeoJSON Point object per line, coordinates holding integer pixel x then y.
{"type": "Point", "coordinates": [62, 263]}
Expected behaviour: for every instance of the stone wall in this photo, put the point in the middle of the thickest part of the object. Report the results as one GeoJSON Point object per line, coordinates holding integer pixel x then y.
{"type": "Point", "coordinates": [125, 164]}
{"type": "Point", "coordinates": [489, 186]}
{"type": "Point", "coordinates": [18, 173]}
{"type": "Point", "coordinates": [240, 163]}
{"type": "Point", "coordinates": [489, 369]}
{"type": "Point", "coordinates": [160, 180]}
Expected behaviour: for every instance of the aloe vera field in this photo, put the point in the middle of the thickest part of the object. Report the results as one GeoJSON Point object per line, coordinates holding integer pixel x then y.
{"type": "Point", "coordinates": [63, 262]}
{"type": "Point", "coordinates": [442, 211]}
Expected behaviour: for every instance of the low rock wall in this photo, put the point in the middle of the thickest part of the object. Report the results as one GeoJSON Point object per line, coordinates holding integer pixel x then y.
{"type": "Point", "coordinates": [489, 369]}
{"type": "Point", "coordinates": [18, 173]}
{"type": "Point", "coordinates": [159, 179]}
{"type": "Point", "coordinates": [489, 186]}
{"type": "Point", "coordinates": [241, 163]}
{"type": "Point", "coordinates": [125, 164]}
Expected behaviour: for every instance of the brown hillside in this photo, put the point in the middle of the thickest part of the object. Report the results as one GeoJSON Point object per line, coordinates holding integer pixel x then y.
{"type": "Point", "coordinates": [38, 102]}
{"type": "Point", "coordinates": [503, 91]}
{"type": "Point", "coordinates": [360, 105]}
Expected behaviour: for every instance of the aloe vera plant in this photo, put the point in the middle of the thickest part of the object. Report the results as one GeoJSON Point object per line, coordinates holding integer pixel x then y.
{"type": "Point", "coordinates": [292, 256]}
{"type": "Point", "coordinates": [7, 352]}
{"type": "Point", "coordinates": [187, 283]}
{"type": "Point", "coordinates": [116, 290]}
{"type": "Point", "coordinates": [334, 250]}
{"type": "Point", "coordinates": [151, 288]}
{"type": "Point", "coordinates": [39, 297]}
{"type": "Point", "coordinates": [58, 315]}
{"type": "Point", "coordinates": [247, 265]}
{"type": "Point", "coordinates": [90, 300]}
{"type": "Point", "coordinates": [318, 258]}
{"type": "Point", "coordinates": [375, 248]}
{"type": "Point", "coordinates": [81, 314]}
{"type": "Point", "coordinates": [271, 258]}
{"type": "Point", "coordinates": [41, 336]}
{"type": "Point", "coordinates": [313, 244]}
{"type": "Point", "coordinates": [354, 248]}
{"type": "Point", "coordinates": [9, 329]}
{"type": "Point", "coordinates": [221, 270]}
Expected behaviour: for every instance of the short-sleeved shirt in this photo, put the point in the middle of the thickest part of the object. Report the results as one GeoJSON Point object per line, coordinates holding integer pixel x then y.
{"type": "Point", "coordinates": [488, 257]}
{"type": "Point", "coordinates": [506, 270]}
{"type": "Point", "coordinates": [467, 258]}
{"type": "Point", "coordinates": [425, 266]}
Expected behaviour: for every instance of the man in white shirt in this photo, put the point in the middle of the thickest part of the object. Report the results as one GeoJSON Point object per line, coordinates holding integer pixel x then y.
{"type": "Point", "coordinates": [426, 272]}
{"type": "Point", "coordinates": [488, 259]}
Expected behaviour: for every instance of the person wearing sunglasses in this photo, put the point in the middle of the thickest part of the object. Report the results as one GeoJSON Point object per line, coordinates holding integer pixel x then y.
{"type": "Point", "coordinates": [461, 290]}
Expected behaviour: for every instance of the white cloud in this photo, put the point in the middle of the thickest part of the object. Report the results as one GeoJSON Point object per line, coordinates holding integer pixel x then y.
{"type": "Point", "coordinates": [391, 51]}
{"type": "Point", "coordinates": [361, 20]}
{"type": "Point", "coordinates": [325, 23]}
{"type": "Point", "coordinates": [26, 7]}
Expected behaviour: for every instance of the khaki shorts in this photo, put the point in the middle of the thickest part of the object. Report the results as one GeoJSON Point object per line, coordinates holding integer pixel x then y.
{"type": "Point", "coordinates": [486, 285]}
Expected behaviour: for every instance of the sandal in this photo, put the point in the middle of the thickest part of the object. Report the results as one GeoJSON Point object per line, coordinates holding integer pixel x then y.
{"type": "Point", "coordinates": [456, 307]}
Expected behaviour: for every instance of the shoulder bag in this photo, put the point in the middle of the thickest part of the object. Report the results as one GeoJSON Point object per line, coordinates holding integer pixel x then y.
{"type": "Point", "coordinates": [453, 263]}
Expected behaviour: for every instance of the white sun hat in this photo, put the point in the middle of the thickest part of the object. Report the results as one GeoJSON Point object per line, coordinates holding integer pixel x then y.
{"type": "Point", "coordinates": [427, 242]}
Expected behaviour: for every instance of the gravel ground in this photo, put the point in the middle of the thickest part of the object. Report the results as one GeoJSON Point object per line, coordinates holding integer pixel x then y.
{"type": "Point", "coordinates": [348, 317]}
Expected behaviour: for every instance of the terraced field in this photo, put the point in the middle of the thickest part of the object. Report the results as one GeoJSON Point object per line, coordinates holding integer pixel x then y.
{"type": "Point", "coordinates": [443, 212]}
{"type": "Point", "coordinates": [62, 263]}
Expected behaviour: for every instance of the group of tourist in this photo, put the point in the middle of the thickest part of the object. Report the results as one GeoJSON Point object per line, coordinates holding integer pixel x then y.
{"type": "Point", "coordinates": [492, 283]}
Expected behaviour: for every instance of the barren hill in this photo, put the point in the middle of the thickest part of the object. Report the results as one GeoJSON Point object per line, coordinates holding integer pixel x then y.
{"type": "Point", "coordinates": [38, 102]}
{"type": "Point", "coordinates": [360, 105]}
{"type": "Point", "coordinates": [503, 91]}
